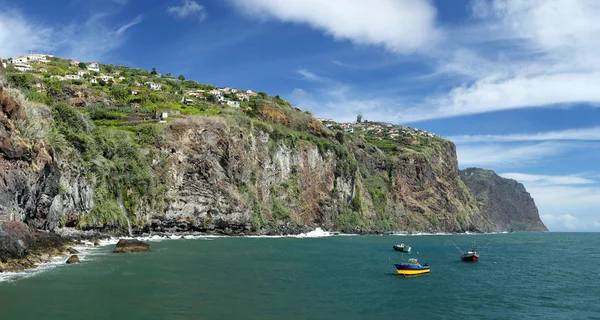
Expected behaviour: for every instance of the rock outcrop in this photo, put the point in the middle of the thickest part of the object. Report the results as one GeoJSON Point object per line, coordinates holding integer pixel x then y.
{"type": "Point", "coordinates": [131, 245]}
{"type": "Point", "coordinates": [506, 201]}
{"type": "Point", "coordinates": [73, 259]}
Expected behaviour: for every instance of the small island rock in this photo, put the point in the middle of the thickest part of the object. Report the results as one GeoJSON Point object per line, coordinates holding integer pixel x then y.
{"type": "Point", "coordinates": [72, 250]}
{"type": "Point", "coordinates": [96, 243]}
{"type": "Point", "coordinates": [73, 259]}
{"type": "Point", "coordinates": [131, 245]}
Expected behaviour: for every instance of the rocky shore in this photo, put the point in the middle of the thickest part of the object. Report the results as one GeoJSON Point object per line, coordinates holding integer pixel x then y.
{"type": "Point", "coordinates": [22, 248]}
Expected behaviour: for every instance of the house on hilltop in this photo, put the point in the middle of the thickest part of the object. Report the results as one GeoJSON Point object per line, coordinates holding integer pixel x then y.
{"type": "Point", "coordinates": [94, 66]}
{"type": "Point", "coordinates": [20, 60]}
{"type": "Point", "coordinates": [153, 86]}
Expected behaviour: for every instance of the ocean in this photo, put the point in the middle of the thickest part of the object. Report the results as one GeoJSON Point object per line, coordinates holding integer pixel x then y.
{"type": "Point", "coordinates": [519, 276]}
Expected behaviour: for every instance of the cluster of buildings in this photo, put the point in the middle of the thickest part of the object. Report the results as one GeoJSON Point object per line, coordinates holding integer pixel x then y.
{"type": "Point", "coordinates": [23, 63]}
{"type": "Point", "coordinates": [221, 95]}
{"type": "Point", "coordinates": [378, 129]}
{"type": "Point", "coordinates": [225, 96]}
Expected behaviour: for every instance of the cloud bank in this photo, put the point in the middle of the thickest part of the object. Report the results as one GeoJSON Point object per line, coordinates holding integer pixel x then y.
{"type": "Point", "coordinates": [400, 26]}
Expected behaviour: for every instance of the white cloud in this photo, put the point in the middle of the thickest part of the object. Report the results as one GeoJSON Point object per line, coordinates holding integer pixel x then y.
{"type": "Point", "coordinates": [398, 25]}
{"type": "Point", "coordinates": [547, 179]}
{"type": "Point", "coordinates": [509, 155]}
{"type": "Point", "coordinates": [311, 76]}
{"type": "Point", "coordinates": [18, 35]}
{"type": "Point", "coordinates": [560, 222]}
{"type": "Point", "coordinates": [89, 40]}
{"type": "Point", "coordinates": [124, 28]}
{"type": "Point", "coordinates": [92, 39]}
{"type": "Point", "coordinates": [545, 54]}
{"type": "Point", "coordinates": [188, 8]}
{"type": "Point", "coordinates": [586, 134]}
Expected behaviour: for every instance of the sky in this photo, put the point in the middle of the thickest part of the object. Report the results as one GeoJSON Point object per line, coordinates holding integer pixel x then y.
{"type": "Point", "coordinates": [513, 83]}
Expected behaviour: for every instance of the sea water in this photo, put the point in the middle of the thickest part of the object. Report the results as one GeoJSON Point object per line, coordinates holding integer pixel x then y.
{"type": "Point", "coordinates": [318, 276]}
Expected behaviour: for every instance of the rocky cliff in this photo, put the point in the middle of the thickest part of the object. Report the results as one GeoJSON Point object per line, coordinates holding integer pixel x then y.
{"type": "Point", "coordinates": [278, 171]}
{"type": "Point", "coordinates": [505, 201]}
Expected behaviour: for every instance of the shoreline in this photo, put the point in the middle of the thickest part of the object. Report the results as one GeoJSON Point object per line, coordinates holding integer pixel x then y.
{"type": "Point", "coordinates": [86, 242]}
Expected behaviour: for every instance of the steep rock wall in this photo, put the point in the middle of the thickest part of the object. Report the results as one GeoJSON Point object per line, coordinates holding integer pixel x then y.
{"type": "Point", "coordinates": [506, 201]}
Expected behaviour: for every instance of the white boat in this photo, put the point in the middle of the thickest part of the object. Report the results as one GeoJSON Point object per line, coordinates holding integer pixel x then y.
{"type": "Point", "coordinates": [402, 247]}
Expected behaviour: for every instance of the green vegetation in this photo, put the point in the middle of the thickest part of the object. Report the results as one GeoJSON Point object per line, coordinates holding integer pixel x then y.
{"type": "Point", "coordinates": [112, 129]}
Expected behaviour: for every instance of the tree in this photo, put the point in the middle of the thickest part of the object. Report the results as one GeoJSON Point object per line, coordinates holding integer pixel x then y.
{"type": "Point", "coordinates": [108, 68]}
{"type": "Point", "coordinates": [211, 98]}
{"type": "Point", "coordinates": [153, 72]}
{"type": "Point", "coordinates": [82, 65]}
{"type": "Point", "coordinates": [359, 118]}
{"type": "Point", "coordinates": [119, 92]}
{"type": "Point", "coordinates": [181, 77]}
{"type": "Point", "coordinates": [263, 95]}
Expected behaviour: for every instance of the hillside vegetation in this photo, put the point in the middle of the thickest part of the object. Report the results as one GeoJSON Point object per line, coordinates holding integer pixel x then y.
{"type": "Point", "coordinates": [121, 154]}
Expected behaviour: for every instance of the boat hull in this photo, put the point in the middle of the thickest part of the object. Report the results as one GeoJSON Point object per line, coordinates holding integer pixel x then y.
{"type": "Point", "coordinates": [412, 272]}
{"type": "Point", "coordinates": [402, 249]}
{"type": "Point", "coordinates": [408, 269]}
{"type": "Point", "coordinates": [469, 257]}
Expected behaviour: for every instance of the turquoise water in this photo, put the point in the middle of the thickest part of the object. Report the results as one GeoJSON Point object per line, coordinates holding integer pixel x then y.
{"type": "Point", "coordinates": [519, 276]}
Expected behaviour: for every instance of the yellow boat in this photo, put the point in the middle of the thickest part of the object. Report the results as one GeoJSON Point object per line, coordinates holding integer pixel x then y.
{"type": "Point", "coordinates": [412, 267]}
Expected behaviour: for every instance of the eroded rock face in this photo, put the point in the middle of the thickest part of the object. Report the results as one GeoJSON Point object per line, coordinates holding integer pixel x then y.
{"type": "Point", "coordinates": [506, 201]}
{"type": "Point", "coordinates": [131, 245]}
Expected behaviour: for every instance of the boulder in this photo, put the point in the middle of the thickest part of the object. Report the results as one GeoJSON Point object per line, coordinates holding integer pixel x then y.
{"type": "Point", "coordinates": [131, 245]}
{"type": "Point", "coordinates": [11, 247]}
{"type": "Point", "coordinates": [96, 243]}
{"type": "Point", "coordinates": [72, 250]}
{"type": "Point", "coordinates": [73, 259]}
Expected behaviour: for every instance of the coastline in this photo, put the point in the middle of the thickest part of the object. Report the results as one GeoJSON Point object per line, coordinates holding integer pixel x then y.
{"type": "Point", "coordinates": [88, 242]}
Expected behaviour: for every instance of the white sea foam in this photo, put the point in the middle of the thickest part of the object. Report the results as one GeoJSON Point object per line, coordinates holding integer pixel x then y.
{"type": "Point", "coordinates": [317, 233]}
{"type": "Point", "coordinates": [12, 276]}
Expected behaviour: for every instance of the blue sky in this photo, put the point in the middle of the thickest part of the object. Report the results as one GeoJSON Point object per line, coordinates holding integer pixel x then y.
{"type": "Point", "coordinates": [512, 82]}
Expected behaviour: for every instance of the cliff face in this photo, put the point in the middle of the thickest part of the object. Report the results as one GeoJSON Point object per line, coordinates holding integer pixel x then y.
{"type": "Point", "coordinates": [506, 201]}
{"type": "Point", "coordinates": [229, 174]}
{"type": "Point", "coordinates": [223, 176]}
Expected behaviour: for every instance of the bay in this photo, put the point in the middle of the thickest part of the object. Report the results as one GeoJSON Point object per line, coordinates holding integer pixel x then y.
{"type": "Point", "coordinates": [519, 276]}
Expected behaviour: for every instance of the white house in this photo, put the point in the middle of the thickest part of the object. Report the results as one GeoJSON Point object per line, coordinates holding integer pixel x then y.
{"type": "Point", "coordinates": [188, 101]}
{"type": "Point", "coordinates": [72, 77]}
{"type": "Point", "coordinates": [94, 66]}
{"type": "Point", "coordinates": [60, 78]}
{"type": "Point", "coordinates": [36, 57]}
{"type": "Point", "coordinates": [162, 116]}
{"type": "Point", "coordinates": [22, 66]}
{"type": "Point", "coordinates": [20, 59]}
{"type": "Point", "coordinates": [106, 78]}
{"type": "Point", "coordinates": [242, 96]}
{"type": "Point", "coordinates": [153, 86]}
{"type": "Point", "coordinates": [82, 73]}
{"type": "Point", "coordinates": [93, 80]}
{"type": "Point", "coordinates": [234, 104]}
